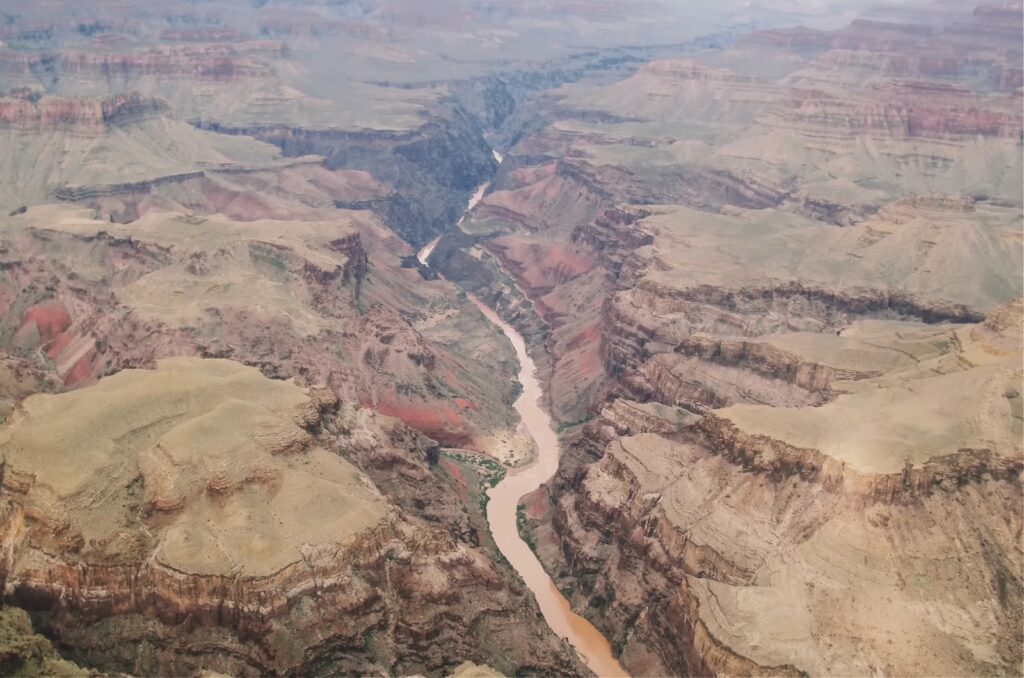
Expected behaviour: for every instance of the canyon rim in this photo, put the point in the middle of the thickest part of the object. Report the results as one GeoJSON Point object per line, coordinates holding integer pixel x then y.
{"type": "Point", "coordinates": [511, 337]}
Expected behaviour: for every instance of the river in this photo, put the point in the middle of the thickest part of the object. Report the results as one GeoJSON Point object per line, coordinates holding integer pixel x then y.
{"type": "Point", "coordinates": [502, 507]}
{"type": "Point", "coordinates": [424, 254]}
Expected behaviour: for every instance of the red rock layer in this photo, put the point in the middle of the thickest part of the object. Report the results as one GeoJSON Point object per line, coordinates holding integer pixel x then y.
{"type": "Point", "coordinates": [92, 116]}
{"type": "Point", "coordinates": [209, 62]}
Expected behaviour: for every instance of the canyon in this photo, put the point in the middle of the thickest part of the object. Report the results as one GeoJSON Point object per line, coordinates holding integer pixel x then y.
{"type": "Point", "coordinates": [503, 498]}
{"type": "Point", "coordinates": [511, 338]}
{"type": "Point", "coordinates": [781, 375]}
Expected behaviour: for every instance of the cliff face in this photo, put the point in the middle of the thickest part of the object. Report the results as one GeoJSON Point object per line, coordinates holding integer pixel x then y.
{"type": "Point", "coordinates": [672, 536]}
{"type": "Point", "coordinates": [275, 263]}
{"type": "Point", "coordinates": [798, 405]}
{"type": "Point", "coordinates": [211, 62]}
{"type": "Point", "coordinates": [336, 308]}
{"type": "Point", "coordinates": [84, 116]}
{"type": "Point", "coordinates": [82, 147]}
{"type": "Point", "coordinates": [433, 169]}
{"type": "Point", "coordinates": [644, 320]}
{"type": "Point", "coordinates": [766, 286]}
{"type": "Point", "coordinates": [904, 110]}
{"type": "Point", "coordinates": [280, 189]}
{"type": "Point", "coordinates": [363, 587]}
{"type": "Point", "coordinates": [663, 564]}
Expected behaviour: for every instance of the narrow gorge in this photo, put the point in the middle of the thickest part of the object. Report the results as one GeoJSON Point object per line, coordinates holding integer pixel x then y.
{"type": "Point", "coordinates": [714, 369]}
{"type": "Point", "coordinates": [503, 506]}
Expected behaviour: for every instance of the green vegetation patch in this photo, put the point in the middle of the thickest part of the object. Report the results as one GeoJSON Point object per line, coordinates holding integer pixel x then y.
{"type": "Point", "coordinates": [523, 526]}
{"type": "Point", "coordinates": [23, 652]}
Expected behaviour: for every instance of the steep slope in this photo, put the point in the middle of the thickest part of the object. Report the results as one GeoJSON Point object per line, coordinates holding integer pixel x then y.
{"type": "Point", "coordinates": [73, 147]}
{"type": "Point", "coordinates": [27, 653]}
{"type": "Point", "coordinates": [787, 316]}
{"type": "Point", "coordinates": [332, 79]}
{"type": "Point", "coordinates": [214, 522]}
{"type": "Point", "coordinates": [868, 495]}
{"type": "Point", "coordinates": [327, 300]}
{"type": "Point", "coordinates": [335, 305]}
{"type": "Point", "coordinates": [768, 279]}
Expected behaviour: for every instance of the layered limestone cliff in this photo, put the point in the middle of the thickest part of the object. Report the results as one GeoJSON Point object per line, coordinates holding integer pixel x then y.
{"type": "Point", "coordinates": [214, 62]}
{"type": "Point", "coordinates": [220, 524]}
{"type": "Point", "coordinates": [753, 278]}
{"type": "Point", "coordinates": [688, 576]}
{"type": "Point", "coordinates": [807, 391]}
{"type": "Point", "coordinates": [77, 148]}
{"type": "Point", "coordinates": [336, 307]}
{"type": "Point", "coordinates": [28, 113]}
{"type": "Point", "coordinates": [434, 168]}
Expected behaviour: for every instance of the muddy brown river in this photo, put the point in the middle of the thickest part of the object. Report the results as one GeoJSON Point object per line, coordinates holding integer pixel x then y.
{"type": "Point", "coordinates": [591, 645]}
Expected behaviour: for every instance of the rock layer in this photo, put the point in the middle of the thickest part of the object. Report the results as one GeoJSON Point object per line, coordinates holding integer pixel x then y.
{"type": "Point", "coordinates": [217, 524]}
{"type": "Point", "coordinates": [801, 404]}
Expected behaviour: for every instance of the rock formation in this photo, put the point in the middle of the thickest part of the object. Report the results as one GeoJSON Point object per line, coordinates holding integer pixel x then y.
{"type": "Point", "coordinates": [771, 282]}
{"type": "Point", "coordinates": [801, 403]}
{"type": "Point", "coordinates": [215, 520]}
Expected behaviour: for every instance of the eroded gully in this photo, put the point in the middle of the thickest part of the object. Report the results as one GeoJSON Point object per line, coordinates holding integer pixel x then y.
{"type": "Point", "coordinates": [503, 502]}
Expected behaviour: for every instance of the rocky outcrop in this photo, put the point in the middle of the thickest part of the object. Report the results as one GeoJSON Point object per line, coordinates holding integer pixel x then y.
{"type": "Point", "coordinates": [335, 308]}
{"type": "Point", "coordinates": [762, 358]}
{"type": "Point", "coordinates": [893, 64]}
{"type": "Point", "coordinates": [626, 515]}
{"type": "Point", "coordinates": [733, 234]}
{"type": "Point", "coordinates": [199, 35]}
{"type": "Point", "coordinates": [215, 62]}
{"type": "Point", "coordinates": [82, 193]}
{"type": "Point", "coordinates": [281, 189]}
{"type": "Point", "coordinates": [84, 116]}
{"type": "Point", "coordinates": [898, 110]}
{"type": "Point", "coordinates": [700, 382]}
{"type": "Point", "coordinates": [629, 417]}
{"type": "Point", "coordinates": [433, 169]}
{"type": "Point", "coordinates": [784, 448]}
{"type": "Point", "coordinates": [630, 325]}
{"type": "Point", "coordinates": [702, 558]}
{"type": "Point", "coordinates": [799, 39]}
{"type": "Point", "coordinates": [356, 263]}
{"type": "Point", "coordinates": [22, 67]}
{"type": "Point", "coordinates": [615, 236]}
{"type": "Point", "coordinates": [552, 195]}
{"type": "Point", "coordinates": [127, 584]}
